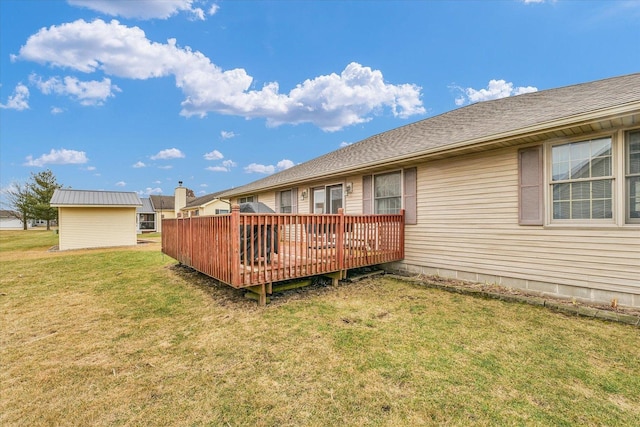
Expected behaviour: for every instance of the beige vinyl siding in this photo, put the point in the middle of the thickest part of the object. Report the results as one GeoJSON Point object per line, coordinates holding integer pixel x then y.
{"type": "Point", "coordinates": [468, 223]}
{"type": "Point", "coordinates": [167, 214]}
{"type": "Point", "coordinates": [81, 227]}
{"type": "Point", "coordinates": [268, 199]}
{"type": "Point", "coordinates": [353, 201]}
{"type": "Point", "coordinates": [210, 209]}
{"type": "Point", "coordinates": [304, 206]}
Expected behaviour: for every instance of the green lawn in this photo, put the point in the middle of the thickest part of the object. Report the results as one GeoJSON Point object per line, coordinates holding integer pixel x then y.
{"type": "Point", "coordinates": [121, 337]}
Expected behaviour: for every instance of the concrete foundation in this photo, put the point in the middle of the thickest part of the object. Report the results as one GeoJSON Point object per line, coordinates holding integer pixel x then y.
{"type": "Point", "coordinates": [579, 293]}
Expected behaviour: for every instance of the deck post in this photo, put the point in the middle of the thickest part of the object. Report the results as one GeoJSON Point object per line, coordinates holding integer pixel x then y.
{"type": "Point", "coordinates": [402, 234]}
{"type": "Point", "coordinates": [235, 245]}
{"type": "Point", "coordinates": [340, 252]}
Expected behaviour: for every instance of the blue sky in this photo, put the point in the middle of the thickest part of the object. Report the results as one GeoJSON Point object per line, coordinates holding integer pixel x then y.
{"type": "Point", "coordinates": [138, 95]}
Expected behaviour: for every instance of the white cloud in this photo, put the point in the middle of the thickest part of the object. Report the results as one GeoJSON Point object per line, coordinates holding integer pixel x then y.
{"type": "Point", "coordinates": [57, 110]}
{"type": "Point", "coordinates": [141, 9]}
{"type": "Point", "coordinates": [257, 168]}
{"type": "Point", "coordinates": [213, 155]}
{"type": "Point", "coordinates": [344, 144]}
{"type": "Point", "coordinates": [169, 153]}
{"type": "Point", "coordinates": [58, 157]}
{"type": "Point", "coordinates": [86, 93]}
{"type": "Point", "coordinates": [217, 169]}
{"type": "Point", "coordinates": [495, 90]}
{"type": "Point", "coordinates": [19, 100]}
{"type": "Point", "coordinates": [149, 191]}
{"type": "Point", "coordinates": [284, 164]}
{"type": "Point", "coordinates": [121, 184]}
{"type": "Point", "coordinates": [213, 9]}
{"type": "Point", "coordinates": [139, 164]}
{"type": "Point", "coordinates": [227, 134]}
{"type": "Point", "coordinates": [269, 169]}
{"type": "Point", "coordinates": [157, 182]}
{"type": "Point", "coordinates": [203, 185]}
{"type": "Point", "coordinates": [91, 168]}
{"type": "Point", "coordinates": [225, 167]}
{"type": "Point", "coordinates": [532, 1]}
{"type": "Point", "coordinates": [165, 167]}
{"type": "Point", "coordinates": [330, 102]}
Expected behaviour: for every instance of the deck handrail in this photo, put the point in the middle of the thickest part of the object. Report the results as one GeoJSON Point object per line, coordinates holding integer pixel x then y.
{"type": "Point", "coordinates": [250, 249]}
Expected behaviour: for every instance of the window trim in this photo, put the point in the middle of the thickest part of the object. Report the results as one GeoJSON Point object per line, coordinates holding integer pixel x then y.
{"type": "Point", "coordinates": [325, 188]}
{"type": "Point", "coordinates": [619, 187]}
{"type": "Point", "coordinates": [613, 177]}
{"type": "Point", "coordinates": [253, 197]}
{"type": "Point", "coordinates": [293, 199]}
{"type": "Point", "coordinates": [626, 175]}
{"type": "Point", "coordinates": [406, 188]}
{"type": "Point", "coordinates": [400, 195]}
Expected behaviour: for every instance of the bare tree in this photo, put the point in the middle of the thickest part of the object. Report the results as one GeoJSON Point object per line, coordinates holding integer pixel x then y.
{"type": "Point", "coordinates": [20, 202]}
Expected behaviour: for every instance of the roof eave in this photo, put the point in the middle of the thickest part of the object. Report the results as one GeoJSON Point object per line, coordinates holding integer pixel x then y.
{"type": "Point", "coordinates": [575, 120]}
{"type": "Point", "coordinates": [93, 206]}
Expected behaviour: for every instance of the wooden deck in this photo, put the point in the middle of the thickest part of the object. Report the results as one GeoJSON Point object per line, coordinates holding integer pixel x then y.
{"type": "Point", "coordinates": [256, 250]}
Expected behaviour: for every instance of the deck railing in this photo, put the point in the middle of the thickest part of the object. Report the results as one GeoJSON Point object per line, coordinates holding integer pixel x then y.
{"type": "Point", "coordinates": [246, 250]}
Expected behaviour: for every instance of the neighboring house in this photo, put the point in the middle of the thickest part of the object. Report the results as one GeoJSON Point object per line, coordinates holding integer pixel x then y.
{"type": "Point", "coordinates": [184, 205]}
{"type": "Point", "coordinates": [163, 206]}
{"type": "Point", "coordinates": [91, 219]}
{"type": "Point", "coordinates": [210, 204]}
{"type": "Point", "coordinates": [539, 191]}
{"type": "Point", "coordinates": [146, 217]}
{"type": "Point", "coordinates": [10, 220]}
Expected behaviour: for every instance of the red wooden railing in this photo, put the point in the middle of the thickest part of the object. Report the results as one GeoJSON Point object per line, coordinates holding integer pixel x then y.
{"type": "Point", "coordinates": [245, 250]}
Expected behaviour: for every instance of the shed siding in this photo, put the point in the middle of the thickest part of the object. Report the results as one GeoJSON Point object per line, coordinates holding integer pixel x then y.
{"type": "Point", "coordinates": [96, 227]}
{"type": "Point", "coordinates": [468, 223]}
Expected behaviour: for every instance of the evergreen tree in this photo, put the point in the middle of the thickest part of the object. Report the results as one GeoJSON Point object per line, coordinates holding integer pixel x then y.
{"type": "Point", "coordinates": [42, 185]}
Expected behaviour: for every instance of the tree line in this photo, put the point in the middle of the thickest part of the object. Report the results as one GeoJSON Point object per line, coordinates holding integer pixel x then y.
{"type": "Point", "coordinates": [31, 200]}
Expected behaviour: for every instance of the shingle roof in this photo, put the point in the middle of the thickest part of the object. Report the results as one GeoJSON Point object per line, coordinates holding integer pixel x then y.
{"type": "Point", "coordinates": [199, 201]}
{"type": "Point", "coordinates": [464, 126]}
{"type": "Point", "coordinates": [67, 197]}
{"type": "Point", "coordinates": [163, 202]}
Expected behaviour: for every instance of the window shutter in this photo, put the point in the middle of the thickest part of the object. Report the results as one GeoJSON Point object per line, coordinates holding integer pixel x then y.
{"type": "Point", "coordinates": [278, 198]}
{"type": "Point", "coordinates": [530, 204]}
{"type": "Point", "coordinates": [410, 193]}
{"type": "Point", "coordinates": [294, 200]}
{"type": "Point", "coordinates": [367, 199]}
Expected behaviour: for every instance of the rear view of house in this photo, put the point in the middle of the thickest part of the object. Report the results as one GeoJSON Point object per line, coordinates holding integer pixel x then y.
{"type": "Point", "coordinates": [539, 191]}
{"type": "Point", "coordinates": [92, 219]}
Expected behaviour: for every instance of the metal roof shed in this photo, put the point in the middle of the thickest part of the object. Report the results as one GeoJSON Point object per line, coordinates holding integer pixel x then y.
{"type": "Point", "coordinates": [93, 219]}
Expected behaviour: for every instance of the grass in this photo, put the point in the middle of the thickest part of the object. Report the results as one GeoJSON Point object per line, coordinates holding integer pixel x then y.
{"type": "Point", "coordinates": [121, 337]}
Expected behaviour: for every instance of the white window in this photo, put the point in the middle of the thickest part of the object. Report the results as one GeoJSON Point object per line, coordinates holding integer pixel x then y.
{"type": "Point", "coordinates": [247, 199]}
{"type": "Point", "coordinates": [286, 202]}
{"type": "Point", "coordinates": [222, 211]}
{"type": "Point", "coordinates": [318, 200]}
{"type": "Point", "coordinates": [327, 199]}
{"type": "Point", "coordinates": [582, 180]}
{"type": "Point", "coordinates": [387, 191]}
{"type": "Point", "coordinates": [633, 176]}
